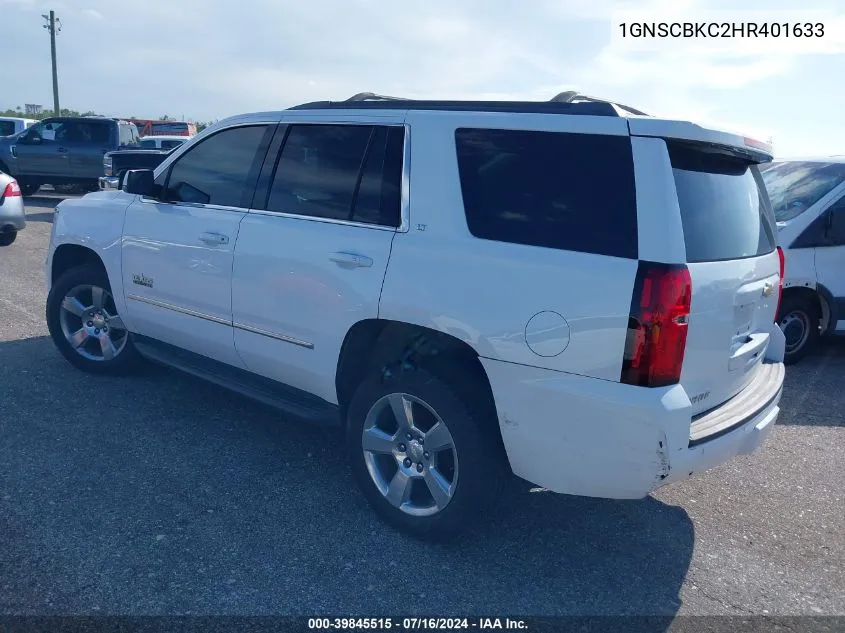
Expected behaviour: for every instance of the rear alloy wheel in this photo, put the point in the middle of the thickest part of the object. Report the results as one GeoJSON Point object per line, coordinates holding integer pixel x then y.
{"type": "Point", "coordinates": [799, 321]}
{"type": "Point", "coordinates": [84, 323]}
{"type": "Point", "coordinates": [420, 456]}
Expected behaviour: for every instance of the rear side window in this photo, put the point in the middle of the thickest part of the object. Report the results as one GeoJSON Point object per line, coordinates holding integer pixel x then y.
{"type": "Point", "coordinates": [725, 211]}
{"type": "Point", "coordinates": [565, 191]}
{"type": "Point", "coordinates": [340, 172]}
{"type": "Point", "coordinates": [7, 128]}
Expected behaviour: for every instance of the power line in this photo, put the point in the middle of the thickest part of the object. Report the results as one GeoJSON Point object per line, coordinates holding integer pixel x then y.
{"type": "Point", "coordinates": [53, 25]}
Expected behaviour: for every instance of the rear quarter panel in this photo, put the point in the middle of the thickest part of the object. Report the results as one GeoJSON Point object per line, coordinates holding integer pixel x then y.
{"type": "Point", "coordinates": [485, 292]}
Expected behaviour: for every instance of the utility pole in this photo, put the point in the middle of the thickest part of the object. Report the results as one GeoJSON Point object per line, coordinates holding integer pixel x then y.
{"type": "Point", "coordinates": [54, 25]}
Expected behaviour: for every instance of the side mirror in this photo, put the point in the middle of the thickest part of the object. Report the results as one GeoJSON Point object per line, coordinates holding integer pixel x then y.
{"type": "Point", "coordinates": [140, 182]}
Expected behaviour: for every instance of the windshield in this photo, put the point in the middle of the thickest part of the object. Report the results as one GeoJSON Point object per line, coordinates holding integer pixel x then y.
{"type": "Point", "coordinates": [795, 186]}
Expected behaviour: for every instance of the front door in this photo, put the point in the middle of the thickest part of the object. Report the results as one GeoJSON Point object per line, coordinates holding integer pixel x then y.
{"type": "Point", "coordinates": [178, 249]}
{"type": "Point", "coordinates": [312, 255]}
{"type": "Point", "coordinates": [37, 151]}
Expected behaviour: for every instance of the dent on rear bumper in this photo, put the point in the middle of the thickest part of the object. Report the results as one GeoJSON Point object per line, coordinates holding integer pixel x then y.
{"type": "Point", "coordinates": [597, 438]}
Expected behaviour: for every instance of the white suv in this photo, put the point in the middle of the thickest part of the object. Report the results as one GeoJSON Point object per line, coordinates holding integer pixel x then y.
{"type": "Point", "coordinates": [570, 290]}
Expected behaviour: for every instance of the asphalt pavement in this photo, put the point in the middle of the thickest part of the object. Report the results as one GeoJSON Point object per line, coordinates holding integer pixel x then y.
{"type": "Point", "coordinates": [160, 494]}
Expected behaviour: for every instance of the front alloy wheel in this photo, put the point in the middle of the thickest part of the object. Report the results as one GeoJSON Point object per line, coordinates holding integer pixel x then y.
{"type": "Point", "coordinates": [84, 324]}
{"type": "Point", "coordinates": [90, 323]}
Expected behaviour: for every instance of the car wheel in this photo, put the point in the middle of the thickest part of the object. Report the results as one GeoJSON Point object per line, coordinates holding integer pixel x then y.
{"type": "Point", "coordinates": [421, 455]}
{"type": "Point", "coordinates": [29, 189]}
{"type": "Point", "coordinates": [799, 320]}
{"type": "Point", "coordinates": [84, 323]}
{"type": "Point", "coordinates": [7, 238]}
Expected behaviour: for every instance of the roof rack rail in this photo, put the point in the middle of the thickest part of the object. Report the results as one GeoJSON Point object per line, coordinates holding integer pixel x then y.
{"type": "Point", "coordinates": [573, 96]}
{"type": "Point", "coordinates": [369, 96]}
{"type": "Point", "coordinates": [564, 103]}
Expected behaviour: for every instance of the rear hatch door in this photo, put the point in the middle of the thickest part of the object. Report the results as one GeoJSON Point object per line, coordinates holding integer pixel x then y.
{"type": "Point", "coordinates": [730, 239]}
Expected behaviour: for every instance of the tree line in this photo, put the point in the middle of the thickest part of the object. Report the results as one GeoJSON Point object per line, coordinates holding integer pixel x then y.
{"type": "Point", "coordinates": [18, 112]}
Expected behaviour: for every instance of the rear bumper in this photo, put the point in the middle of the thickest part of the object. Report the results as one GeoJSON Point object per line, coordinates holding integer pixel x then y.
{"type": "Point", "coordinates": [108, 183]}
{"type": "Point", "coordinates": [597, 438]}
{"type": "Point", "coordinates": [12, 215]}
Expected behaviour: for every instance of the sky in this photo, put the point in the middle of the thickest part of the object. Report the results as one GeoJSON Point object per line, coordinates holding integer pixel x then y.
{"type": "Point", "coordinates": [206, 59]}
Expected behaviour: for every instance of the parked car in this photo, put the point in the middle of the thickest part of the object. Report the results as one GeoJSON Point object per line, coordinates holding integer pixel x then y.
{"type": "Point", "coordinates": [63, 151]}
{"type": "Point", "coordinates": [11, 125]}
{"type": "Point", "coordinates": [808, 198]}
{"type": "Point", "coordinates": [12, 214]}
{"type": "Point", "coordinates": [162, 142]}
{"type": "Point", "coordinates": [569, 290]}
{"type": "Point", "coordinates": [115, 164]}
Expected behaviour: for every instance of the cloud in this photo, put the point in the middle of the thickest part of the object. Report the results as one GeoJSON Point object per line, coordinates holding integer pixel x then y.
{"type": "Point", "coordinates": [206, 60]}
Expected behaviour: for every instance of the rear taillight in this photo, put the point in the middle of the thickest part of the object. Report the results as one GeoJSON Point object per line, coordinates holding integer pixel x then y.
{"type": "Point", "coordinates": [780, 283]}
{"type": "Point", "coordinates": [657, 326]}
{"type": "Point", "coordinates": [12, 190]}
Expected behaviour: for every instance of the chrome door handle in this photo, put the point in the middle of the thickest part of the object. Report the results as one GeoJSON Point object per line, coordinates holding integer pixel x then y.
{"type": "Point", "coordinates": [351, 260]}
{"type": "Point", "coordinates": [214, 239]}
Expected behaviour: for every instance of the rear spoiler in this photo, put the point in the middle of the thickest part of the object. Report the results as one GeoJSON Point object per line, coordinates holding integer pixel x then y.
{"type": "Point", "coordinates": [752, 149]}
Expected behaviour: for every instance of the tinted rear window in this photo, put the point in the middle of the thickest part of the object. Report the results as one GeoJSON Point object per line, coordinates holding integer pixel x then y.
{"type": "Point", "coordinates": [724, 208]}
{"type": "Point", "coordinates": [565, 191]}
{"type": "Point", "coordinates": [7, 128]}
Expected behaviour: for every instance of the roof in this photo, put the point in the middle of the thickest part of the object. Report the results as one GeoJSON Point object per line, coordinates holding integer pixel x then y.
{"type": "Point", "coordinates": [79, 118]}
{"type": "Point", "coordinates": [571, 102]}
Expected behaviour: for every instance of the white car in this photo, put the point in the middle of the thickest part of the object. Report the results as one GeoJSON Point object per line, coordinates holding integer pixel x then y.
{"type": "Point", "coordinates": [569, 290]}
{"type": "Point", "coordinates": [808, 198]}
{"type": "Point", "coordinates": [162, 141]}
{"type": "Point", "coordinates": [11, 125]}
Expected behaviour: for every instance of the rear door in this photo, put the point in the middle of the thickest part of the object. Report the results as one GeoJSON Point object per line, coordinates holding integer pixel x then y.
{"type": "Point", "coordinates": [312, 252]}
{"type": "Point", "coordinates": [85, 143]}
{"type": "Point", "coordinates": [730, 242]}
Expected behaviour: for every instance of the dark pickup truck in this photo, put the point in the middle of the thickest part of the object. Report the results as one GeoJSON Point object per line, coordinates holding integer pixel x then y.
{"type": "Point", "coordinates": [62, 151]}
{"type": "Point", "coordinates": [115, 164]}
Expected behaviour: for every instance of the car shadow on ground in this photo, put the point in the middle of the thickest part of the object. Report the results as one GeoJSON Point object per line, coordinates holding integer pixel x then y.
{"type": "Point", "coordinates": [160, 494]}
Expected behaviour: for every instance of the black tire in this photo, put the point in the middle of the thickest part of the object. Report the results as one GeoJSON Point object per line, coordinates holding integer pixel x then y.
{"type": "Point", "coordinates": [29, 189]}
{"type": "Point", "coordinates": [799, 319]}
{"type": "Point", "coordinates": [8, 238]}
{"type": "Point", "coordinates": [482, 467]}
{"type": "Point", "coordinates": [127, 357]}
